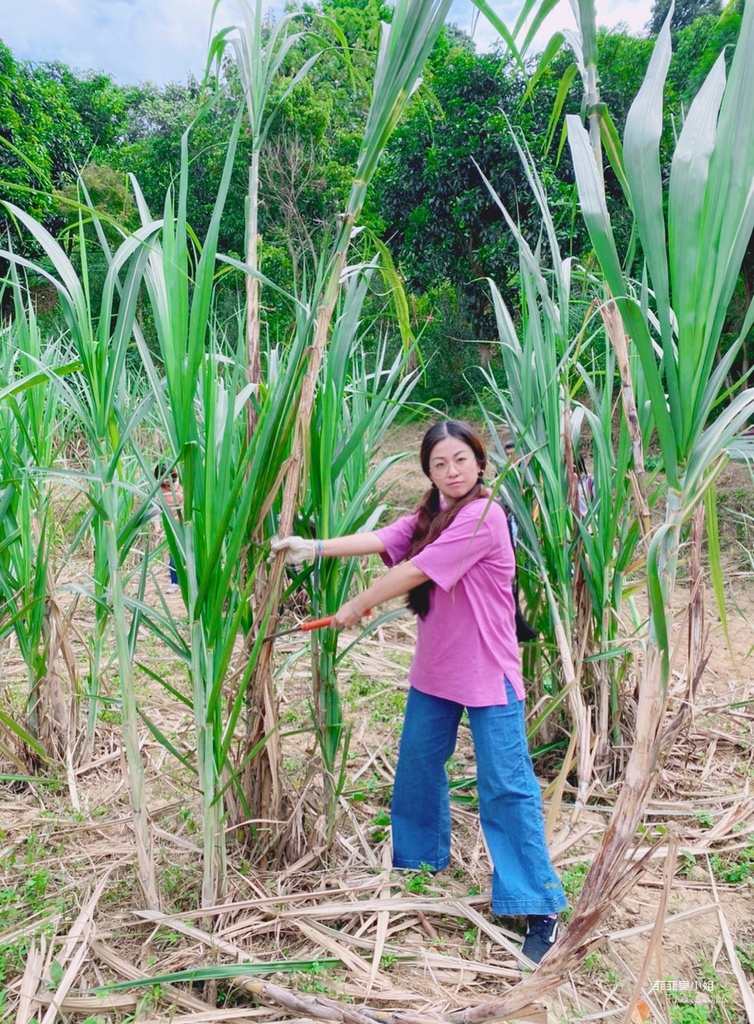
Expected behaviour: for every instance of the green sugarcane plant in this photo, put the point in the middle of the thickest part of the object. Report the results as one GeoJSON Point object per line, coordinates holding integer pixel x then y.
{"type": "Point", "coordinates": [260, 49]}
{"type": "Point", "coordinates": [229, 481]}
{"type": "Point", "coordinates": [100, 345]}
{"type": "Point", "coordinates": [537, 406]}
{"type": "Point", "coordinates": [692, 264]}
{"type": "Point", "coordinates": [357, 400]}
{"type": "Point", "coordinates": [610, 552]}
{"type": "Point", "coordinates": [28, 409]}
{"type": "Point", "coordinates": [404, 46]}
{"type": "Point", "coordinates": [602, 132]}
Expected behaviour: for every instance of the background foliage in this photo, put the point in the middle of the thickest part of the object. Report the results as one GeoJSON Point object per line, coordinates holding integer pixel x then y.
{"type": "Point", "coordinates": [428, 204]}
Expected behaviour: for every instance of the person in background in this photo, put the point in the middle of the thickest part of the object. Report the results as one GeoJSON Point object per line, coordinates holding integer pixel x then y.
{"type": "Point", "coordinates": [454, 560]}
{"type": "Point", "coordinates": [172, 493]}
{"type": "Point", "coordinates": [585, 487]}
{"type": "Point", "coordinates": [510, 453]}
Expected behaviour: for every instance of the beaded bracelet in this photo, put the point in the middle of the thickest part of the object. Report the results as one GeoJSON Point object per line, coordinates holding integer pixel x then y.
{"type": "Point", "coordinates": [320, 549]}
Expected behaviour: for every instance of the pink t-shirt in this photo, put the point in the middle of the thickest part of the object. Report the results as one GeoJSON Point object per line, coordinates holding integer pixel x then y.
{"type": "Point", "coordinates": [466, 643]}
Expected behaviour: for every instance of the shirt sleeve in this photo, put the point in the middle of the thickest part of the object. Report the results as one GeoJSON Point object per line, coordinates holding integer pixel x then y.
{"type": "Point", "coordinates": [397, 539]}
{"type": "Point", "coordinates": [460, 546]}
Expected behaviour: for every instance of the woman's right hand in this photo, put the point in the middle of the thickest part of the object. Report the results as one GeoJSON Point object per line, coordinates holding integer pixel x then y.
{"type": "Point", "coordinates": [296, 549]}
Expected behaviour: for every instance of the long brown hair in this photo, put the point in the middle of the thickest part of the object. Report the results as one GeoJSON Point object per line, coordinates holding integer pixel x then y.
{"type": "Point", "coordinates": [431, 518]}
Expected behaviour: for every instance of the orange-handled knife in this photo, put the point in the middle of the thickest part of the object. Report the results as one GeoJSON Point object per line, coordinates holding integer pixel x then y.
{"type": "Point", "coordinates": [306, 627]}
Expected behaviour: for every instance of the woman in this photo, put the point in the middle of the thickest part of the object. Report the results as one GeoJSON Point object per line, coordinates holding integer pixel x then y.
{"type": "Point", "coordinates": [453, 558]}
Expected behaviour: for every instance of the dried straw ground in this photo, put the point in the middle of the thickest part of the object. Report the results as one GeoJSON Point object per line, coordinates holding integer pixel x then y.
{"type": "Point", "coordinates": [372, 944]}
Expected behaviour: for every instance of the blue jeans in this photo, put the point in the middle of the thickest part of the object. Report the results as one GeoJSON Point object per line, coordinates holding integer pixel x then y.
{"type": "Point", "coordinates": [510, 802]}
{"type": "Point", "coordinates": [173, 573]}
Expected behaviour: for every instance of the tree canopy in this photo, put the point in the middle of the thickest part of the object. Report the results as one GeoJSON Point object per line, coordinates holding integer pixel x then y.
{"type": "Point", "coordinates": [429, 204]}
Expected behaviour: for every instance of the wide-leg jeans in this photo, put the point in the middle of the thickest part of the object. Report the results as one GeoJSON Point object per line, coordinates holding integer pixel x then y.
{"type": "Point", "coordinates": [510, 802]}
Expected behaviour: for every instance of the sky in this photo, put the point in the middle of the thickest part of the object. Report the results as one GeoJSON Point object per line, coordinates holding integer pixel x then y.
{"type": "Point", "coordinates": [163, 40]}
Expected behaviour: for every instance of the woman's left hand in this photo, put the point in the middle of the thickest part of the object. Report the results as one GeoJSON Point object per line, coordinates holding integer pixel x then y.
{"type": "Point", "coordinates": [346, 615]}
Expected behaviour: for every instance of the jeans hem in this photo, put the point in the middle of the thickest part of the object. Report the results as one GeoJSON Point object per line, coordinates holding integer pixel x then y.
{"type": "Point", "coordinates": [526, 908]}
{"type": "Point", "coordinates": [403, 865]}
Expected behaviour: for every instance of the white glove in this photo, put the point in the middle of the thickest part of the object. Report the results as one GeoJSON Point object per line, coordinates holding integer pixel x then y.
{"type": "Point", "coordinates": [297, 549]}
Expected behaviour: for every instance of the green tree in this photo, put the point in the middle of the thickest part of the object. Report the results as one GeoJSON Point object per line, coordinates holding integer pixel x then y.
{"type": "Point", "coordinates": [41, 135]}
{"type": "Point", "coordinates": [99, 102]}
{"type": "Point", "coordinates": [686, 12]}
{"type": "Point", "coordinates": [697, 47]}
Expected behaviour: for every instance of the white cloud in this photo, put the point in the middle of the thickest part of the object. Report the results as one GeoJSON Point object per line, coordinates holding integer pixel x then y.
{"type": "Point", "coordinates": [164, 40]}
{"type": "Point", "coordinates": [134, 40]}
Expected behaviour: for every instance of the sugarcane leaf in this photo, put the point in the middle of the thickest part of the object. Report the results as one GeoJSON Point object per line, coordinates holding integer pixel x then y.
{"type": "Point", "coordinates": [658, 603]}
{"type": "Point", "coordinates": [598, 225]}
{"type": "Point", "coordinates": [614, 150]}
{"type": "Point", "coordinates": [641, 150]}
{"type": "Point", "coordinates": [715, 562]}
{"type": "Point", "coordinates": [501, 28]}
{"type": "Point", "coordinates": [557, 108]}
{"type": "Point", "coordinates": [730, 179]}
{"type": "Point", "coordinates": [166, 742]}
{"type": "Point", "coordinates": [716, 438]}
{"type": "Point", "coordinates": [217, 972]}
{"type": "Point", "coordinates": [688, 249]}
{"type": "Point", "coordinates": [586, 18]}
{"type": "Point", "coordinates": [23, 735]}
{"type": "Point", "coordinates": [548, 55]}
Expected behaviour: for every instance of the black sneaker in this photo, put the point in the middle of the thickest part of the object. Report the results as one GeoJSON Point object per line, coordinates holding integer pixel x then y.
{"type": "Point", "coordinates": [541, 933]}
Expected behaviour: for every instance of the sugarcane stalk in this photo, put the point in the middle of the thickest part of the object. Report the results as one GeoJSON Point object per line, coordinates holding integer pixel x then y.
{"type": "Point", "coordinates": [129, 713]}
{"type": "Point", "coordinates": [253, 286]}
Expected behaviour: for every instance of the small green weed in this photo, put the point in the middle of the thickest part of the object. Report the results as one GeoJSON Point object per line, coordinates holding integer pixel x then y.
{"type": "Point", "coordinates": [735, 870]}
{"type": "Point", "coordinates": [596, 965]}
{"type": "Point", "coordinates": [179, 885]}
{"type": "Point", "coordinates": [379, 826]}
{"type": "Point", "coordinates": [309, 980]}
{"type": "Point", "coordinates": [720, 993]}
{"type": "Point", "coordinates": [418, 882]}
{"type": "Point", "coordinates": [32, 894]}
{"type": "Point", "coordinates": [572, 880]}
{"type": "Point", "coordinates": [746, 956]}
{"type": "Point", "coordinates": [690, 1013]}
{"type": "Point", "coordinates": [706, 999]}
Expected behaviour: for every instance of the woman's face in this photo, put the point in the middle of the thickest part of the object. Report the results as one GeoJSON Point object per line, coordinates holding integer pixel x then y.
{"type": "Point", "coordinates": [453, 468]}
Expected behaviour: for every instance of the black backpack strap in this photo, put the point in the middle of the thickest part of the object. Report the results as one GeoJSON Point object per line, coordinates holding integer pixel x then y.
{"type": "Point", "coordinates": [524, 631]}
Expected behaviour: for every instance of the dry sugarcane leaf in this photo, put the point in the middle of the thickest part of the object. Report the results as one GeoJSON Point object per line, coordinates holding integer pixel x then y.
{"type": "Point", "coordinates": [350, 960]}
{"type": "Point", "coordinates": [383, 919]}
{"type": "Point", "coordinates": [746, 993]}
{"type": "Point", "coordinates": [29, 984]}
{"type": "Point", "coordinates": [656, 937]}
{"type": "Point", "coordinates": [90, 1004]}
{"type": "Point", "coordinates": [70, 975]}
{"type": "Point", "coordinates": [214, 1016]}
{"type": "Point", "coordinates": [80, 932]}
{"type": "Point", "coordinates": [41, 919]}
{"type": "Point", "coordinates": [211, 941]}
{"type": "Point", "coordinates": [411, 954]}
{"type": "Point", "coordinates": [319, 1008]}
{"type": "Point", "coordinates": [84, 919]}
{"type": "Point", "coordinates": [555, 791]}
{"type": "Point", "coordinates": [639, 929]}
